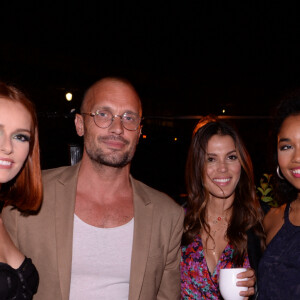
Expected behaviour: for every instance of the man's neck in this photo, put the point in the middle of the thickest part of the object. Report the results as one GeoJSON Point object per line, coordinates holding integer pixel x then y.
{"type": "Point", "coordinates": [104, 179]}
{"type": "Point", "coordinates": [104, 196]}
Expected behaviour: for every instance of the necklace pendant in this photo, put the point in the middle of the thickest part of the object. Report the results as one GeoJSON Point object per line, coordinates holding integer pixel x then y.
{"type": "Point", "coordinates": [219, 218]}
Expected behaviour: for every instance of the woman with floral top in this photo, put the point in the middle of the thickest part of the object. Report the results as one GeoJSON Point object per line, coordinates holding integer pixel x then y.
{"type": "Point", "coordinates": [223, 224]}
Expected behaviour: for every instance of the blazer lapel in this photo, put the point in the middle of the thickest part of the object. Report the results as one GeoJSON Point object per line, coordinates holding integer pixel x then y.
{"type": "Point", "coordinates": [65, 205]}
{"type": "Point", "coordinates": [143, 211]}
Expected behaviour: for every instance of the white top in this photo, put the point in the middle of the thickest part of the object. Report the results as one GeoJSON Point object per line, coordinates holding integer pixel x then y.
{"type": "Point", "coordinates": [101, 261]}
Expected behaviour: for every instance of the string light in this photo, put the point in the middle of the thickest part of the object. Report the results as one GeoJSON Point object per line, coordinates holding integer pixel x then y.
{"type": "Point", "coordinates": [69, 96]}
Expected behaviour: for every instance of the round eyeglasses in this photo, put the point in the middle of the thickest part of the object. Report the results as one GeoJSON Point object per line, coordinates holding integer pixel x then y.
{"type": "Point", "coordinates": [104, 119]}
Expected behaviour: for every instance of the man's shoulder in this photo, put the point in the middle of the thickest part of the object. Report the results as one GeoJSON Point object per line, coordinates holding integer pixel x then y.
{"type": "Point", "coordinates": [154, 196]}
{"type": "Point", "coordinates": [56, 173]}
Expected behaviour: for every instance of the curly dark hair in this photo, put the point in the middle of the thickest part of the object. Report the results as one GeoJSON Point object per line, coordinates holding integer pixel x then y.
{"type": "Point", "coordinates": [246, 214]}
{"type": "Point", "coordinates": [284, 192]}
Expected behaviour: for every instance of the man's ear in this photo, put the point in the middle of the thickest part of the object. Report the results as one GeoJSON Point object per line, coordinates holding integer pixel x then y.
{"type": "Point", "coordinates": [140, 132]}
{"type": "Point", "coordinates": [79, 124]}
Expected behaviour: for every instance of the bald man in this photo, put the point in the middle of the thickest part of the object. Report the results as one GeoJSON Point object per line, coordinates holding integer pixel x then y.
{"type": "Point", "coordinates": [101, 234]}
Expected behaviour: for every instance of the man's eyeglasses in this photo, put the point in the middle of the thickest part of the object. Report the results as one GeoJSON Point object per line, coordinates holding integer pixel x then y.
{"type": "Point", "coordinates": [104, 118]}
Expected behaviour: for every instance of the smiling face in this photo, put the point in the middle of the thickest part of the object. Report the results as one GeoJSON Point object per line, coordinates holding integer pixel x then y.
{"type": "Point", "coordinates": [222, 167]}
{"type": "Point", "coordinates": [113, 146]}
{"type": "Point", "coordinates": [288, 149]}
{"type": "Point", "coordinates": [15, 123]}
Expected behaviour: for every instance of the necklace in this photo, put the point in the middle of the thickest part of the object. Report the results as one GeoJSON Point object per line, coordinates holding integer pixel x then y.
{"type": "Point", "coordinates": [217, 223]}
{"type": "Point", "coordinates": [218, 219]}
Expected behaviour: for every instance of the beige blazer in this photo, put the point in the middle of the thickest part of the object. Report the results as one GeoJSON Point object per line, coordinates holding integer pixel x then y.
{"type": "Point", "coordinates": [47, 238]}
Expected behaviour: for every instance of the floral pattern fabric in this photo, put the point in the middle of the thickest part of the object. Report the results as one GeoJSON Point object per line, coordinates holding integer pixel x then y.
{"type": "Point", "coordinates": [196, 280]}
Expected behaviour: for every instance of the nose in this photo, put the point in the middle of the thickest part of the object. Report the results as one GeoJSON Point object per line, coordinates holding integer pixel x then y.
{"type": "Point", "coordinates": [116, 125]}
{"type": "Point", "coordinates": [296, 157]}
{"type": "Point", "coordinates": [222, 166]}
{"type": "Point", "coordinates": [5, 145]}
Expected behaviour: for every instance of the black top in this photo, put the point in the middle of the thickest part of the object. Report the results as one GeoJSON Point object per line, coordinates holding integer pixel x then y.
{"type": "Point", "coordinates": [279, 268]}
{"type": "Point", "coordinates": [254, 254]}
{"type": "Point", "coordinates": [18, 284]}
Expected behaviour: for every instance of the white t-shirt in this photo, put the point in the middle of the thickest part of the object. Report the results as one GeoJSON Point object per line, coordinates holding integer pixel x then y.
{"type": "Point", "coordinates": [101, 261]}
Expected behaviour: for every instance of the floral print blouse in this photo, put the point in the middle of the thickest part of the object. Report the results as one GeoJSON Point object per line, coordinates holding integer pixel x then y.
{"type": "Point", "coordinates": [196, 280]}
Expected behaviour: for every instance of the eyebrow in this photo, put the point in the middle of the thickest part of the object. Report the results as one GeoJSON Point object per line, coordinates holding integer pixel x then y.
{"type": "Point", "coordinates": [110, 109]}
{"type": "Point", "coordinates": [22, 130]}
{"type": "Point", "coordinates": [284, 140]}
{"type": "Point", "coordinates": [213, 154]}
{"type": "Point", "coordinates": [18, 129]}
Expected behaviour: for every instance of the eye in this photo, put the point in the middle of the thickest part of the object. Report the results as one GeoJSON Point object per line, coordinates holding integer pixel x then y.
{"type": "Point", "coordinates": [21, 137]}
{"type": "Point", "coordinates": [103, 114]}
{"type": "Point", "coordinates": [285, 147]}
{"type": "Point", "coordinates": [232, 157]}
{"type": "Point", "coordinates": [210, 159]}
{"type": "Point", "coordinates": [129, 117]}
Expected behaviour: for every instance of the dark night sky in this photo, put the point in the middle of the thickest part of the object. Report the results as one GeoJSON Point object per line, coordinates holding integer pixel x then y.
{"type": "Point", "coordinates": [190, 58]}
{"type": "Point", "coordinates": [186, 58]}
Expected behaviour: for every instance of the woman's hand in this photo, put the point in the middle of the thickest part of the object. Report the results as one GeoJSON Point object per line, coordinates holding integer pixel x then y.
{"type": "Point", "coordinates": [250, 282]}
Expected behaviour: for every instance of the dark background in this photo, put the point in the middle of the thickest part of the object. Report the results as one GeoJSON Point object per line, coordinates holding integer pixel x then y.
{"type": "Point", "coordinates": [186, 60]}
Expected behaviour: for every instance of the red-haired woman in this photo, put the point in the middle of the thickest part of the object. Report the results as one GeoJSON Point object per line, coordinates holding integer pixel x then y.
{"type": "Point", "coordinates": [20, 186]}
{"type": "Point", "coordinates": [223, 224]}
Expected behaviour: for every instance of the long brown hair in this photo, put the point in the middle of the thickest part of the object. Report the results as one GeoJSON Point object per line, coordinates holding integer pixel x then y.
{"type": "Point", "coordinates": [25, 190]}
{"type": "Point", "coordinates": [246, 213]}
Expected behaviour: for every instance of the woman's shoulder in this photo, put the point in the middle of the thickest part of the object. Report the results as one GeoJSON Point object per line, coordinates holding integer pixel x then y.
{"type": "Point", "coordinates": [274, 215]}
{"type": "Point", "coordinates": [9, 253]}
{"type": "Point", "coordinates": [273, 221]}
{"type": "Point", "coordinates": [20, 283]}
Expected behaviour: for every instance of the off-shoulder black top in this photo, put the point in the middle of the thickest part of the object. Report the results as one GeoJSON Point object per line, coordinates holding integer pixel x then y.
{"type": "Point", "coordinates": [18, 284]}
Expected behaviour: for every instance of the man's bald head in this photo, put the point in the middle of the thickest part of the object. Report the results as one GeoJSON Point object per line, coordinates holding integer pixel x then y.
{"type": "Point", "coordinates": [103, 85]}
{"type": "Point", "coordinates": [113, 145]}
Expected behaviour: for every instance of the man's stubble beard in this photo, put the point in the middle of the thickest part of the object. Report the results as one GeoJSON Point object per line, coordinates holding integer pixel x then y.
{"type": "Point", "coordinates": [109, 160]}
{"type": "Point", "coordinates": [114, 159]}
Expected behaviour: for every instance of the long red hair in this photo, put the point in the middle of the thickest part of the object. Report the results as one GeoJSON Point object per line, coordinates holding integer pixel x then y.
{"type": "Point", "coordinates": [25, 191]}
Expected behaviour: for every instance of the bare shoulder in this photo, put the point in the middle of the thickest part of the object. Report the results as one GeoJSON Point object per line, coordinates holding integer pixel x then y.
{"type": "Point", "coordinates": [274, 216]}
{"type": "Point", "coordinates": [8, 252]}
{"type": "Point", "coordinates": [273, 221]}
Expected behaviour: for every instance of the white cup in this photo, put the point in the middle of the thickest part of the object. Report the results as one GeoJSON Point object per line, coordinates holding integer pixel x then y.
{"type": "Point", "coordinates": [227, 284]}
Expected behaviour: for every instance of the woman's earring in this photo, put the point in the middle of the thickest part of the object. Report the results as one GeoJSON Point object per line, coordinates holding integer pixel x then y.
{"type": "Point", "coordinates": [278, 173]}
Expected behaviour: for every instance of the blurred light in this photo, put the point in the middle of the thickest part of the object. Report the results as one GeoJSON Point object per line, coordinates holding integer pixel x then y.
{"type": "Point", "coordinates": [223, 111]}
{"type": "Point", "coordinates": [175, 139]}
{"type": "Point", "coordinates": [144, 136]}
{"type": "Point", "coordinates": [69, 96]}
